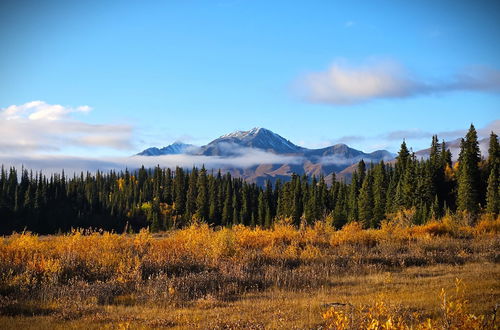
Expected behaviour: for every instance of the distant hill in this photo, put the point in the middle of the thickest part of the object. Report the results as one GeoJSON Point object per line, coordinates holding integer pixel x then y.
{"type": "Point", "coordinates": [174, 149]}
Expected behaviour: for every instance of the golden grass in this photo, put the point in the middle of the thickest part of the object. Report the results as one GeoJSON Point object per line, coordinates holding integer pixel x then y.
{"type": "Point", "coordinates": [254, 278]}
{"type": "Point", "coordinates": [415, 289]}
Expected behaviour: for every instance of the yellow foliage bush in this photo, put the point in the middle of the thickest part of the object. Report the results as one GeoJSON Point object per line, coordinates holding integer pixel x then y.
{"type": "Point", "coordinates": [454, 315]}
{"type": "Point", "coordinates": [433, 228]}
{"type": "Point", "coordinates": [353, 233]}
{"type": "Point", "coordinates": [27, 260]}
{"type": "Point", "coordinates": [488, 224]}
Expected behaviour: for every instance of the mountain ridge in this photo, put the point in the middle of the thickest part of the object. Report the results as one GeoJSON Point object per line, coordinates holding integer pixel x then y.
{"type": "Point", "coordinates": [321, 161]}
{"type": "Point", "coordinates": [172, 149]}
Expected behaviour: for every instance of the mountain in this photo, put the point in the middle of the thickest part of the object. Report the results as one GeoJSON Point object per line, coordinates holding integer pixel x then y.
{"type": "Point", "coordinates": [291, 157]}
{"type": "Point", "coordinates": [175, 148]}
{"type": "Point", "coordinates": [259, 138]}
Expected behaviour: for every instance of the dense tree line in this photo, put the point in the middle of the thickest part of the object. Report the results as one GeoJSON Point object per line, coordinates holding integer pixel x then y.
{"type": "Point", "coordinates": [165, 198]}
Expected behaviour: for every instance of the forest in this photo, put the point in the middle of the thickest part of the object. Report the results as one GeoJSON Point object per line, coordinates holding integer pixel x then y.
{"type": "Point", "coordinates": [162, 199]}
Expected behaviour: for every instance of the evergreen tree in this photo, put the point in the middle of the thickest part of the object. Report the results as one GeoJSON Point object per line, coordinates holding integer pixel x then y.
{"type": "Point", "coordinates": [192, 193]}
{"type": "Point", "coordinates": [340, 209]}
{"type": "Point", "coordinates": [297, 206]}
{"type": "Point", "coordinates": [468, 173]}
{"type": "Point", "coordinates": [379, 193]}
{"type": "Point", "coordinates": [492, 194]}
{"type": "Point", "coordinates": [167, 187]}
{"type": "Point", "coordinates": [261, 210]}
{"type": "Point", "coordinates": [227, 210]}
{"type": "Point", "coordinates": [435, 209]}
{"type": "Point", "coordinates": [180, 196]}
{"type": "Point", "coordinates": [236, 209]}
{"type": "Point", "coordinates": [246, 207]}
{"type": "Point", "coordinates": [409, 183]}
{"type": "Point", "coordinates": [353, 198]}
{"type": "Point", "coordinates": [361, 173]}
{"type": "Point", "coordinates": [402, 159]}
{"type": "Point", "coordinates": [310, 204]}
{"type": "Point", "coordinates": [202, 207]}
{"type": "Point", "coordinates": [493, 152]}
{"type": "Point", "coordinates": [365, 202]}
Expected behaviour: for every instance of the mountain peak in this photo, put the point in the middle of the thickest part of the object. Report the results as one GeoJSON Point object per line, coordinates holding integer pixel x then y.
{"type": "Point", "coordinates": [174, 149]}
{"type": "Point", "coordinates": [242, 134]}
{"type": "Point", "coordinates": [256, 137]}
{"type": "Point", "coordinates": [334, 158]}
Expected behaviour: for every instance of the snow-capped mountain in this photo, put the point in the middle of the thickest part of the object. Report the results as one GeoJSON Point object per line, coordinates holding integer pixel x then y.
{"type": "Point", "coordinates": [333, 159]}
{"type": "Point", "coordinates": [257, 137]}
{"type": "Point", "coordinates": [175, 148]}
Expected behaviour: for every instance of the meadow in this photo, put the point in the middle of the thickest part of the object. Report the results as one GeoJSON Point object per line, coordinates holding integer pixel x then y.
{"type": "Point", "coordinates": [443, 274]}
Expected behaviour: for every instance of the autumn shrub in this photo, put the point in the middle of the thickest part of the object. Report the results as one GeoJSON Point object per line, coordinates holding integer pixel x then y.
{"type": "Point", "coordinates": [488, 224]}
{"type": "Point", "coordinates": [433, 228]}
{"type": "Point", "coordinates": [354, 234]}
{"type": "Point", "coordinates": [89, 267]}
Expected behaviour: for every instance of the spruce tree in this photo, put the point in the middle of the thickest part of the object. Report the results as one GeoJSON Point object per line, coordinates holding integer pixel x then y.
{"type": "Point", "coordinates": [402, 159]}
{"type": "Point", "coordinates": [261, 210]}
{"type": "Point", "coordinates": [365, 202]}
{"type": "Point", "coordinates": [297, 206]}
{"type": "Point", "coordinates": [179, 191]}
{"type": "Point", "coordinates": [227, 210]}
{"type": "Point", "coordinates": [361, 173]}
{"type": "Point", "coordinates": [379, 193]}
{"type": "Point", "coordinates": [435, 209]}
{"type": "Point", "coordinates": [202, 207]}
{"type": "Point", "coordinates": [493, 152]}
{"type": "Point", "coordinates": [492, 193]}
{"type": "Point", "coordinates": [353, 198]}
{"type": "Point", "coordinates": [468, 173]}
{"type": "Point", "coordinates": [310, 205]}
{"type": "Point", "coordinates": [340, 210]}
{"type": "Point", "coordinates": [246, 211]}
{"type": "Point", "coordinates": [236, 209]}
{"type": "Point", "coordinates": [409, 183]}
{"type": "Point", "coordinates": [192, 193]}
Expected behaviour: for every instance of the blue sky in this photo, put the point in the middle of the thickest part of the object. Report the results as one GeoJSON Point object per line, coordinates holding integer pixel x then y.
{"type": "Point", "coordinates": [132, 74]}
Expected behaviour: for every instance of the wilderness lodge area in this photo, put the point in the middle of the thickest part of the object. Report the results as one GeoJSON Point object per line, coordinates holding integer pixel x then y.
{"type": "Point", "coordinates": [410, 244]}
{"type": "Point", "coordinates": [162, 200]}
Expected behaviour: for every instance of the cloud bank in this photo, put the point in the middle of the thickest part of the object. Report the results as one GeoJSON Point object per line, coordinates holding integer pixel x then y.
{"type": "Point", "coordinates": [246, 158]}
{"type": "Point", "coordinates": [342, 84]}
{"type": "Point", "coordinates": [41, 127]}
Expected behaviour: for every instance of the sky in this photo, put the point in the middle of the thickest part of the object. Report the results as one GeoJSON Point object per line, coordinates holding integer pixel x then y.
{"type": "Point", "coordinates": [111, 78]}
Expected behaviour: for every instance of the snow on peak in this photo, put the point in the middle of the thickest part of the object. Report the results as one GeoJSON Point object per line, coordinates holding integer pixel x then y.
{"type": "Point", "coordinates": [261, 138]}
{"type": "Point", "coordinates": [242, 134]}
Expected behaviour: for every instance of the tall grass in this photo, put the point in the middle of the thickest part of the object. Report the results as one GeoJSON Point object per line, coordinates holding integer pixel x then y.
{"type": "Point", "coordinates": [71, 274]}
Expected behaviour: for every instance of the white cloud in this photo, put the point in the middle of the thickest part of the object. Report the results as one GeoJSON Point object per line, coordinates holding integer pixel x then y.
{"type": "Point", "coordinates": [343, 84]}
{"type": "Point", "coordinates": [39, 110]}
{"type": "Point", "coordinates": [40, 127]}
{"type": "Point", "coordinates": [84, 108]}
{"type": "Point", "coordinates": [70, 164]}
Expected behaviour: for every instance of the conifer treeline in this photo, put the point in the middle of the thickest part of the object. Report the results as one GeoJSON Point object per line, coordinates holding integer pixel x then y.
{"type": "Point", "coordinates": [164, 199]}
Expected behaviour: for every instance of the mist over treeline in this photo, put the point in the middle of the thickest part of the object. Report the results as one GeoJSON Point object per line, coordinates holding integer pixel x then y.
{"type": "Point", "coordinates": [164, 198]}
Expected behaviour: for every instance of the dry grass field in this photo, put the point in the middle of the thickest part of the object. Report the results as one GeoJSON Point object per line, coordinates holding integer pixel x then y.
{"type": "Point", "coordinates": [439, 275]}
